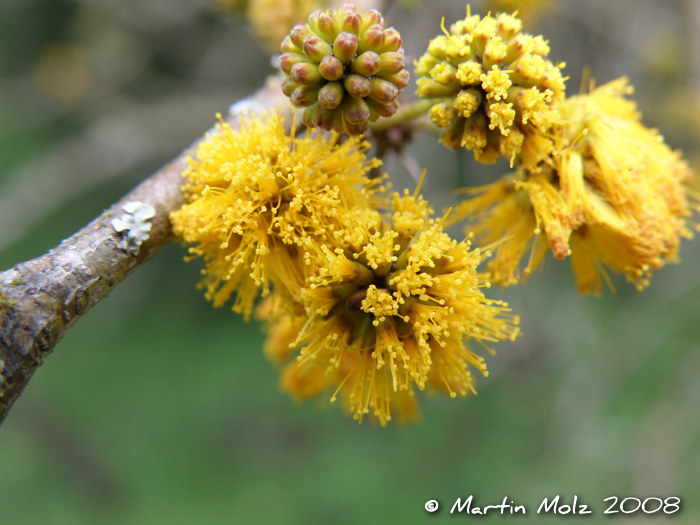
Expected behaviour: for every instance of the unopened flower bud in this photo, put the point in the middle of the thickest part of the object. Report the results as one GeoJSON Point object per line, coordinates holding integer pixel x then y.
{"type": "Point", "coordinates": [392, 62]}
{"type": "Point", "coordinates": [350, 20]}
{"type": "Point", "coordinates": [308, 114]}
{"type": "Point", "coordinates": [428, 88]}
{"type": "Point", "coordinates": [320, 117]}
{"type": "Point", "coordinates": [355, 110]}
{"type": "Point", "coordinates": [305, 96]}
{"type": "Point", "coordinates": [355, 129]}
{"type": "Point", "coordinates": [315, 48]}
{"type": "Point", "coordinates": [324, 118]}
{"type": "Point", "coordinates": [372, 39]}
{"type": "Point", "coordinates": [345, 67]}
{"type": "Point", "coordinates": [367, 64]}
{"type": "Point", "coordinates": [358, 86]}
{"type": "Point", "coordinates": [370, 18]}
{"type": "Point", "coordinates": [299, 33]}
{"type": "Point", "coordinates": [327, 27]}
{"type": "Point", "coordinates": [288, 86]}
{"type": "Point", "coordinates": [345, 47]}
{"type": "Point", "coordinates": [425, 64]}
{"type": "Point", "coordinates": [331, 95]}
{"type": "Point", "coordinates": [288, 46]}
{"type": "Point", "coordinates": [331, 68]}
{"type": "Point", "coordinates": [400, 79]}
{"type": "Point", "coordinates": [392, 41]}
{"type": "Point", "coordinates": [305, 73]}
{"type": "Point", "coordinates": [382, 91]}
{"type": "Point", "coordinates": [382, 110]}
{"type": "Point", "coordinates": [287, 60]}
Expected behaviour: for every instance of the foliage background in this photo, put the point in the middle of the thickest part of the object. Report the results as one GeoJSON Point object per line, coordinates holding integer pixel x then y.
{"type": "Point", "coordinates": [159, 409]}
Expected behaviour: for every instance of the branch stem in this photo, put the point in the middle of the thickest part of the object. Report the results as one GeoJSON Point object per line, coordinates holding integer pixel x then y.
{"type": "Point", "coordinates": [42, 298]}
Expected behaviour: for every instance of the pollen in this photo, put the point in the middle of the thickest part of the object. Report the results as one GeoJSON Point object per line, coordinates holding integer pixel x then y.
{"type": "Point", "coordinates": [256, 196]}
{"type": "Point", "coordinates": [395, 312]}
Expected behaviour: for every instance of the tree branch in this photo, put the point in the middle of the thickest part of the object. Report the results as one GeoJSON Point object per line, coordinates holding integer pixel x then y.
{"type": "Point", "coordinates": [42, 298]}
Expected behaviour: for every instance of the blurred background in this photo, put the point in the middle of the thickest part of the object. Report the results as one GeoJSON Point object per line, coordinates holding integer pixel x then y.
{"type": "Point", "coordinates": [157, 408]}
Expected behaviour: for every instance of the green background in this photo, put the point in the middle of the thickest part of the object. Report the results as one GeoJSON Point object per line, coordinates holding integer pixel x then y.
{"type": "Point", "coordinates": [157, 408]}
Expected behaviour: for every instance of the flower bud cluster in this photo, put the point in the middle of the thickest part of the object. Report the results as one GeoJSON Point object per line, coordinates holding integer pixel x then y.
{"type": "Point", "coordinates": [344, 68]}
{"type": "Point", "coordinates": [499, 92]}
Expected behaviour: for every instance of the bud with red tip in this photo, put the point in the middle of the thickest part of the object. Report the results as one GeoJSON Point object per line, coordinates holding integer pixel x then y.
{"type": "Point", "coordinates": [345, 68]}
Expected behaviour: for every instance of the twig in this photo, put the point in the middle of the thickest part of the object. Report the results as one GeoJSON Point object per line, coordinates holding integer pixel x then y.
{"type": "Point", "coordinates": [42, 298]}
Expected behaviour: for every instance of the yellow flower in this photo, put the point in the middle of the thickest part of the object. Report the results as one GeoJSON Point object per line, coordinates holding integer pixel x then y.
{"type": "Point", "coordinates": [390, 309]}
{"type": "Point", "coordinates": [613, 195]}
{"type": "Point", "coordinates": [256, 194]}
{"type": "Point", "coordinates": [495, 91]}
{"type": "Point", "coordinates": [624, 188]}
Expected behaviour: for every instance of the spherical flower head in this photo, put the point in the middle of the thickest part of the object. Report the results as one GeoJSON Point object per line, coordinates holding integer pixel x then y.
{"type": "Point", "coordinates": [271, 19]}
{"type": "Point", "coordinates": [255, 195]}
{"type": "Point", "coordinates": [390, 311]}
{"type": "Point", "coordinates": [346, 69]}
{"type": "Point", "coordinates": [625, 189]}
{"type": "Point", "coordinates": [495, 91]}
{"type": "Point", "coordinates": [614, 196]}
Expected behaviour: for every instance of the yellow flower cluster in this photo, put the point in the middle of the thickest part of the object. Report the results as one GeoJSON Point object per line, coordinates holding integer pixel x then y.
{"type": "Point", "coordinates": [612, 196]}
{"type": "Point", "coordinates": [378, 302]}
{"type": "Point", "coordinates": [387, 310]}
{"type": "Point", "coordinates": [256, 194]}
{"type": "Point", "coordinates": [372, 300]}
{"type": "Point", "coordinates": [495, 91]}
